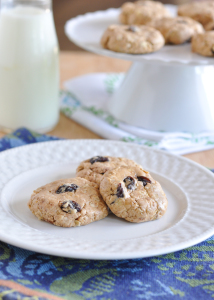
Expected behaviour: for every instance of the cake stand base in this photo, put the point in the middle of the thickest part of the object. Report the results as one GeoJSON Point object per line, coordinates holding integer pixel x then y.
{"type": "Point", "coordinates": [166, 97]}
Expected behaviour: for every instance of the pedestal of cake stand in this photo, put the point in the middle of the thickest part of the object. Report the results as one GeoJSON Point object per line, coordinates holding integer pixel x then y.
{"type": "Point", "coordinates": [166, 97]}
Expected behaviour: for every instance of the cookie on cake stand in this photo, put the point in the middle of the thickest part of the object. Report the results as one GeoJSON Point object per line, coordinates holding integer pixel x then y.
{"type": "Point", "coordinates": [171, 89]}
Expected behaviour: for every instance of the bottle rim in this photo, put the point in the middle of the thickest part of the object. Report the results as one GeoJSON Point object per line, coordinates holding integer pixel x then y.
{"type": "Point", "coordinates": [37, 3]}
{"type": "Point", "coordinates": [26, 1]}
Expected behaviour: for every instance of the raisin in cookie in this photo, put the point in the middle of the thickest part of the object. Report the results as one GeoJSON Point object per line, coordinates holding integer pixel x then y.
{"type": "Point", "coordinates": [94, 168]}
{"type": "Point", "coordinates": [132, 39]}
{"type": "Point", "coordinates": [177, 30]}
{"type": "Point", "coordinates": [132, 194]}
{"type": "Point", "coordinates": [203, 44]}
{"type": "Point", "coordinates": [68, 203]}
{"type": "Point", "coordinates": [142, 12]}
{"type": "Point", "coordinates": [203, 11]}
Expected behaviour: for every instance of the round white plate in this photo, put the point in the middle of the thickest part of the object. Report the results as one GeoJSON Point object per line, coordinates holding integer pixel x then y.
{"type": "Point", "coordinates": [189, 188]}
{"type": "Point", "coordinates": [86, 32]}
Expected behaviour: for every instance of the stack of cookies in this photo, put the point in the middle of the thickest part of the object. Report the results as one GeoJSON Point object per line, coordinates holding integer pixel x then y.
{"type": "Point", "coordinates": [102, 184]}
{"type": "Point", "coordinates": [140, 38]}
{"type": "Point", "coordinates": [147, 26]}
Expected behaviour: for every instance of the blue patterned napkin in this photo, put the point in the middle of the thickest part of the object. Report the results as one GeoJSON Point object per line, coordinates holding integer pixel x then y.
{"type": "Point", "coordinates": [26, 275]}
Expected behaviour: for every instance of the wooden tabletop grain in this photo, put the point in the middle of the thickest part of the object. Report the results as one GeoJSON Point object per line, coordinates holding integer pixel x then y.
{"type": "Point", "coordinates": [74, 64]}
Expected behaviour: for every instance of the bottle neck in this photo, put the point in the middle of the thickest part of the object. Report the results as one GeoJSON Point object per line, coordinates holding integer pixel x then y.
{"type": "Point", "coordinates": [43, 4]}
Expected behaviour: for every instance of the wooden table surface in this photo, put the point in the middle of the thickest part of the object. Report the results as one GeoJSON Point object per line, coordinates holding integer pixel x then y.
{"type": "Point", "coordinates": [78, 63]}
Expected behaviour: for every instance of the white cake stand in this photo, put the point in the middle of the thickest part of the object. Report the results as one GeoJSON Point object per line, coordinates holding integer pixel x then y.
{"type": "Point", "coordinates": [170, 90]}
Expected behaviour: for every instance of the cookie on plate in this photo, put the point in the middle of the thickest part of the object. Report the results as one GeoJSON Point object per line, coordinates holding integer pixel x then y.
{"type": "Point", "coordinates": [177, 30]}
{"type": "Point", "coordinates": [203, 44]}
{"type": "Point", "coordinates": [68, 203]}
{"type": "Point", "coordinates": [94, 168]}
{"type": "Point", "coordinates": [142, 12]}
{"type": "Point", "coordinates": [132, 39]}
{"type": "Point", "coordinates": [202, 11]}
{"type": "Point", "coordinates": [132, 194]}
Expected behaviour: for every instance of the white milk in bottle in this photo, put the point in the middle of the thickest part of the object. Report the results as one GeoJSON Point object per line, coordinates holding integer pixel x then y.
{"type": "Point", "coordinates": [29, 69]}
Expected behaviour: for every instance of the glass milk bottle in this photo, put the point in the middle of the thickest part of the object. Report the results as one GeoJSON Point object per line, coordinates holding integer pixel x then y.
{"type": "Point", "coordinates": [29, 67]}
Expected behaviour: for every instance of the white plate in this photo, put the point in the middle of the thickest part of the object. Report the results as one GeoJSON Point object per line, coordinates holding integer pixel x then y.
{"type": "Point", "coordinates": [86, 32]}
{"type": "Point", "coordinates": [188, 186]}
